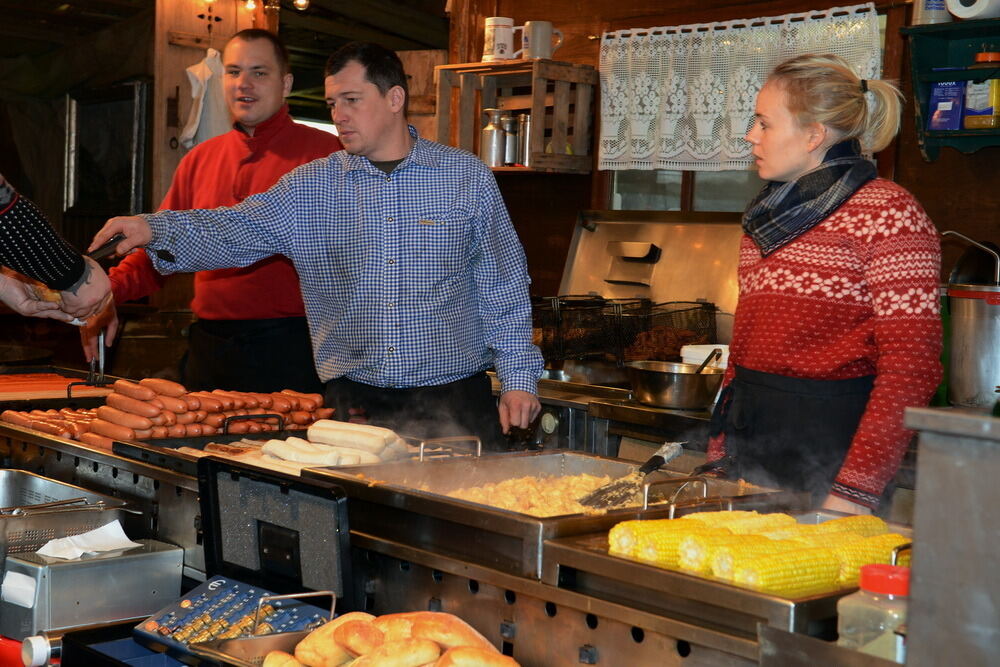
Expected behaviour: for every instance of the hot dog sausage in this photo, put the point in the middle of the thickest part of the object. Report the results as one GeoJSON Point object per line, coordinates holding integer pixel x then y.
{"type": "Point", "coordinates": [15, 417]}
{"type": "Point", "coordinates": [263, 400]}
{"type": "Point", "coordinates": [173, 404]}
{"type": "Point", "coordinates": [281, 403]}
{"type": "Point", "coordinates": [113, 431]}
{"type": "Point", "coordinates": [43, 426]}
{"type": "Point", "coordinates": [306, 401]}
{"type": "Point", "coordinates": [116, 416]}
{"type": "Point", "coordinates": [143, 434]}
{"type": "Point", "coordinates": [97, 440]}
{"type": "Point", "coordinates": [234, 400]}
{"type": "Point", "coordinates": [192, 430]}
{"type": "Point", "coordinates": [193, 402]}
{"type": "Point", "coordinates": [159, 432]}
{"type": "Point", "coordinates": [300, 417]}
{"type": "Point", "coordinates": [185, 417]}
{"type": "Point", "coordinates": [209, 403]}
{"type": "Point", "coordinates": [176, 431]}
{"type": "Point", "coordinates": [164, 387]}
{"type": "Point", "coordinates": [131, 405]}
{"type": "Point", "coordinates": [133, 390]}
{"type": "Point", "coordinates": [169, 418]}
{"type": "Point", "coordinates": [214, 419]}
{"type": "Point", "coordinates": [323, 413]}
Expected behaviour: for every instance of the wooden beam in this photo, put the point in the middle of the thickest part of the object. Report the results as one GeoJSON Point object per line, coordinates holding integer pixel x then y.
{"type": "Point", "coordinates": [347, 31]}
{"type": "Point", "coordinates": [395, 17]}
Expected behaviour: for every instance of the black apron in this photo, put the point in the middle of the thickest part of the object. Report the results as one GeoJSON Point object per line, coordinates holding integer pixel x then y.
{"type": "Point", "coordinates": [786, 432]}
{"type": "Point", "coordinates": [250, 355]}
{"type": "Point", "coordinates": [464, 407]}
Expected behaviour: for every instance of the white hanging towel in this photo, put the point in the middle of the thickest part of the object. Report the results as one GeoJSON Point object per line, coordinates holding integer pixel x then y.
{"type": "Point", "coordinates": [209, 115]}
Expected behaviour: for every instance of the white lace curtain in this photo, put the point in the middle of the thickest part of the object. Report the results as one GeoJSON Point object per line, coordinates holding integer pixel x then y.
{"type": "Point", "coordinates": [682, 97]}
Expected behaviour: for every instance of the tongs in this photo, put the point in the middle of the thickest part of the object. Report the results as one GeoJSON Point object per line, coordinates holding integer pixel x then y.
{"type": "Point", "coordinates": [624, 490]}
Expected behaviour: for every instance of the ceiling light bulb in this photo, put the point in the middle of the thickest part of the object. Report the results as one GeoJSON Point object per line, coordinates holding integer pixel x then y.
{"type": "Point", "coordinates": [301, 4]}
{"type": "Point", "coordinates": [250, 5]}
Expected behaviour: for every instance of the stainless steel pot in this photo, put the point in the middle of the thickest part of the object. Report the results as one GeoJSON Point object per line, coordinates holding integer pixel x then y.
{"type": "Point", "coordinates": [665, 384]}
{"type": "Point", "coordinates": [974, 363]}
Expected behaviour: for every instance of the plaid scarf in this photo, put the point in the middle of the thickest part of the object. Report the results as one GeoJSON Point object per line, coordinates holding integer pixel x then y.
{"type": "Point", "coordinates": [782, 212]}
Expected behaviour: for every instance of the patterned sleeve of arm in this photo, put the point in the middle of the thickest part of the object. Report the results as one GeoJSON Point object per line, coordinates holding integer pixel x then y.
{"type": "Point", "coordinates": [504, 304]}
{"type": "Point", "coordinates": [903, 270]}
{"type": "Point", "coordinates": [29, 245]}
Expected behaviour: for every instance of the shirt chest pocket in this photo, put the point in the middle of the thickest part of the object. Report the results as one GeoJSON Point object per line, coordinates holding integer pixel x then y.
{"type": "Point", "coordinates": [438, 250]}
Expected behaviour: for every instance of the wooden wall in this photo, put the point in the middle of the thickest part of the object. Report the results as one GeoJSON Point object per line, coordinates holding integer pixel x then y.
{"type": "Point", "coordinates": [960, 192]}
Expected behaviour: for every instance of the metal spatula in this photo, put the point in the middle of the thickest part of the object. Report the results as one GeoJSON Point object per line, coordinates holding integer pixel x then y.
{"type": "Point", "coordinates": [624, 490]}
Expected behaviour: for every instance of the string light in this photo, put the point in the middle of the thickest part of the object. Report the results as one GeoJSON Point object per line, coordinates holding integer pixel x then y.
{"type": "Point", "coordinates": [301, 5]}
{"type": "Point", "coordinates": [249, 5]}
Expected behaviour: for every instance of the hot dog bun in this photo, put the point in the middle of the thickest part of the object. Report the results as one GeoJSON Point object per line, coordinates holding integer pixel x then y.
{"type": "Point", "coordinates": [472, 656]}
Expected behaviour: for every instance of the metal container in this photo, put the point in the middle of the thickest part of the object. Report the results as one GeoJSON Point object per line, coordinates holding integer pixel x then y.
{"type": "Point", "coordinates": [407, 503]}
{"type": "Point", "coordinates": [524, 139]}
{"type": "Point", "coordinates": [510, 146]}
{"type": "Point", "coordinates": [491, 140]}
{"type": "Point", "coordinates": [582, 563]}
{"type": "Point", "coordinates": [36, 509]}
{"type": "Point", "coordinates": [974, 365]}
{"type": "Point", "coordinates": [665, 384]}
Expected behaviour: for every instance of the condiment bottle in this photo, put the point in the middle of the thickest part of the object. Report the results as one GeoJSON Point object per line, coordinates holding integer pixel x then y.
{"type": "Point", "coordinates": [524, 139]}
{"type": "Point", "coordinates": [982, 99]}
{"type": "Point", "coordinates": [491, 140]}
{"type": "Point", "coordinates": [867, 620]}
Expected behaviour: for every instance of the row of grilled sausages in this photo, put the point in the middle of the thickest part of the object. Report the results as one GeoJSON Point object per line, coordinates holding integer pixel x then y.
{"type": "Point", "coordinates": [155, 408]}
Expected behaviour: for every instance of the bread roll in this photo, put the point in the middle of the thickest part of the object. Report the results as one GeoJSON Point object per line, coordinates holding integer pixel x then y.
{"type": "Point", "coordinates": [359, 637]}
{"type": "Point", "coordinates": [318, 649]}
{"type": "Point", "coordinates": [402, 653]}
{"type": "Point", "coordinates": [394, 627]}
{"type": "Point", "coordinates": [471, 656]}
{"type": "Point", "coordinates": [280, 659]}
{"type": "Point", "coordinates": [447, 630]}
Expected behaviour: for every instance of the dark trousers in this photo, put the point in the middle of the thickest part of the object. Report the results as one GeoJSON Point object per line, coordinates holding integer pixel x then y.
{"type": "Point", "coordinates": [464, 407]}
{"type": "Point", "coordinates": [250, 355]}
{"type": "Point", "coordinates": [789, 433]}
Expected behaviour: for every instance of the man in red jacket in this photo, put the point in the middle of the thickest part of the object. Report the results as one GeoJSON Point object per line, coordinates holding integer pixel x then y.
{"type": "Point", "coordinates": [251, 332]}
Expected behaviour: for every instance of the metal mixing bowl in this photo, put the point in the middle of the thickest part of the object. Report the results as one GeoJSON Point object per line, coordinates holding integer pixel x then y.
{"type": "Point", "coordinates": [665, 384]}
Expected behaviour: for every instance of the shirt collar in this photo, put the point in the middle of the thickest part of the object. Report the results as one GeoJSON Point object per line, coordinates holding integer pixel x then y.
{"type": "Point", "coordinates": [421, 154]}
{"type": "Point", "coordinates": [266, 130]}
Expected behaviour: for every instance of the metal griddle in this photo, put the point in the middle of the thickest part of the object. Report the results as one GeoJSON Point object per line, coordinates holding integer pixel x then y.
{"type": "Point", "coordinates": [582, 563]}
{"type": "Point", "coordinates": [405, 502]}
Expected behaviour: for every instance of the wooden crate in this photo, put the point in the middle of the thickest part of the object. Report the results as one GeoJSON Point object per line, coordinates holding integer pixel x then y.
{"type": "Point", "coordinates": [559, 96]}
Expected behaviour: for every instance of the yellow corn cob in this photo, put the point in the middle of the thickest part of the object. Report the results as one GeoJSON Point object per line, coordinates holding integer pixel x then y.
{"type": "Point", "coordinates": [862, 524]}
{"type": "Point", "coordinates": [791, 574]}
{"type": "Point", "coordinates": [833, 540]}
{"type": "Point", "coordinates": [727, 557]}
{"type": "Point", "coordinates": [791, 531]}
{"type": "Point", "coordinates": [695, 552]}
{"type": "Point", "coordinates": [660, 548]}
{"type": "Point", "coordinates": [719, 518]}
{"type": "Point", "coordinates": [760, 523]}
{"type": "Point", "coordinates": [624, 537]}
{"type": "Point", "coordinates": [875, 549]}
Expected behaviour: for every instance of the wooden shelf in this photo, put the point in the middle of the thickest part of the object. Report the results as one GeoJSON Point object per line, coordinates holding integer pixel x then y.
{"type": "Point", "coordinates": [949, 45]}
{"type": "Point", "coordinates": [558, 95]}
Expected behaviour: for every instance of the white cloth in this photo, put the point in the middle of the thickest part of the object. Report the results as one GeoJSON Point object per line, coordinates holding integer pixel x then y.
{"type": "Point", "coordinates": [109, 537]}
{"type": "Point", "coordinates": [682, 97]}
{"type": "Point", "coordinates": [209, 116]}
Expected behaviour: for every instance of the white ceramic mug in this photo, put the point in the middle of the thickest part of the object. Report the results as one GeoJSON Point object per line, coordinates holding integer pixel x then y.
{"type": "Point", "coordinates": [499, 42]}
{"type": "Point", "coordinates": [536, 39]}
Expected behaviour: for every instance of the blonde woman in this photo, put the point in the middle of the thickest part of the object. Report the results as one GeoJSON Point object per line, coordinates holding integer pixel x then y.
{"type": "Point", "coordinates": [837, 328]}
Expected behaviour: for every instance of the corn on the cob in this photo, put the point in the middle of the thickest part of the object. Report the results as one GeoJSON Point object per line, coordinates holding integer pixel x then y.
{"type": "Point", "coordinates": [834, 540]}
{"type": "Point", "coordinates": [727, 557]}
{"type": "Point", "coordinates": [791, 532]}
{"type": "Point", "coordinates": [791, 574]}
{"type": "Point", "coordinates": [695, 552]}
{"type": "Point", "coordinates": [660, 548]}
{"type": "Point", "coordinates": [875, 549]}
{"type": "Point", "coordinates": [862, 524]}
{"type": "Point", "coordinates": [760, 523]}
{"type": "Point", "coordinates": [719, 518]}
{"type": "Point", "coordinates": [623, 538]}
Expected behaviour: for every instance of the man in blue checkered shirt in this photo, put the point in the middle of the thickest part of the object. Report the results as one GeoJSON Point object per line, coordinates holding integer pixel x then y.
{"type": "Point", "coordinates": [413, 278]}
